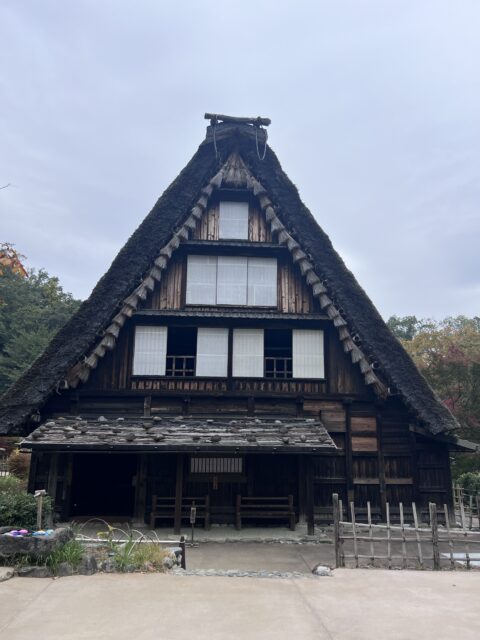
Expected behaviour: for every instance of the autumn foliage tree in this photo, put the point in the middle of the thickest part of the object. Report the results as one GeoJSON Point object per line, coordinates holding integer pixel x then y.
{"type": "Point", "coordinates": [448, 355]}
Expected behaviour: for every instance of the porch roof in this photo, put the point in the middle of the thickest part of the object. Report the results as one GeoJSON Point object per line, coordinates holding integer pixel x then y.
{"type": "Point", "coordinates": [182, 433]}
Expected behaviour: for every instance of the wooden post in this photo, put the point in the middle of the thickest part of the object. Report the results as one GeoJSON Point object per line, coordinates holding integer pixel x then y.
{"type": "Point", "coordinates": [178, 494]}
{"type": "Point", "coordinates": [336, 530]}
{"type": "Point", "coordinates": [39, 498]}
{"type": "Point", "coordinates": [370, 534]}
{"type": "Point", "coordinates": [432, 507]}
{"type": "Point", "coordinates": [310, 498]}
{"type": "Point", "coordinates": [52, 477]}
{"type": "Point", "coordinates": [381, 466]}
{"type": "Point", "coordinates": [389, 533]}
{"type": "Point", "coordinates": [32, 472]}
{"type": "Point", "coordinates": [354, 533]}
{"type": "Point", "coordinates": [404, 540]}
{"type": "Point", "coordinates": [67, 486]}
{"type": "Point", "coordinates": [467, 548]}
{"type": "Point", "coordinates": [417, 535]}
{"type": "Point", "coordinates": [302, 509]}
{"type": "Point", "coordinates": [449, 534]}
{"type": "Point", "coordinates": [348, 454]}
{"type": "Point", "coordinates": [415, 476]}
{"type": "Point", "coordinates": [184, 550]}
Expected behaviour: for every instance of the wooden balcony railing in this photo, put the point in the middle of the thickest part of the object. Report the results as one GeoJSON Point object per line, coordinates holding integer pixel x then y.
{"type": "Point", "coordinates": [278, 368]}
{"type": "Point", "coordinates": [180, 366]}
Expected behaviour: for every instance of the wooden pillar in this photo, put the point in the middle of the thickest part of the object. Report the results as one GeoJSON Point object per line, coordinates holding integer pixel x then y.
{"type": "Point", "coordinates": [302, 509]}
{"type": "Point", "coordinates": [381, 467]}
{"type": "Point", "coordinates": [309, 494]}
{"type": "Point", "coordinates": [67, 486]}
{"type": "Point", "coordinates": [417, 498]}
{"type": "Point", "coordinates": [178, 494]}
{"type": "Point", "coordinates": [52, 477]}
{"type": "Point", "coordinates": [32, 473]}
{"type": "Point", "coordinates": [141, 488]}
{"type": "Point", "coordinates": [449, 488]}
{"type": "Point", "coordinates": [348, 452]}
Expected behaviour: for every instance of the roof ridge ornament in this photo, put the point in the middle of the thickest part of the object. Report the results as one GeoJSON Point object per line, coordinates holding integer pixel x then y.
{"type": "Point", "coordinates": [258, 123]}
{"type": "Point", "coordinates": [217, 118]}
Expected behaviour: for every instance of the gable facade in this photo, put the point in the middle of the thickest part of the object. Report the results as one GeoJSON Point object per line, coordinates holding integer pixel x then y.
{"type": "Point", "coordinates": [229, 347]}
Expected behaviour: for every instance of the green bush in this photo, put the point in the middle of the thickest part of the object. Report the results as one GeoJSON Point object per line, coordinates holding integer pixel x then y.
{"type": "Point", "coordinates": [11, 484]}
{"type": "Point", "coordinates": [470, 481]}
{"type": "Point", "coordinates": [19, 509]}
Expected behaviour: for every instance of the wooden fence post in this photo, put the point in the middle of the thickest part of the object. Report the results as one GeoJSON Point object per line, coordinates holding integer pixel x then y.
{"type": "Point", "coordinates": [434, 526]}
{"type": "Point", "coordinates": [336, 530]}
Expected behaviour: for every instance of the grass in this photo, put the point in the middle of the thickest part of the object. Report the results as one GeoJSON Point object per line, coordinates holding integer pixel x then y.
{"type": "Point", "coordinates": [71, 552]}
{"type": "Point", "coordinates": [149, 553]}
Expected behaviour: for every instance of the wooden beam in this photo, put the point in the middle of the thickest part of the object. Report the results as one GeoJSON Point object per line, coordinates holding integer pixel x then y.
{"type": "Point", "coordinates": [215, 118]}
{"type": "Point", "coordinates": [178, 494]}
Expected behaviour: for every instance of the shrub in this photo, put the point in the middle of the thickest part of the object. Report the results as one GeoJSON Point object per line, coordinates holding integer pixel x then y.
{"type": "Point", "coordinates": [19, 464]}
{"type": "Point", "coordinates": [19, 509]}
{"type": "Point", "coordinates": [11, 484]}
{"type": "Point", "coordinates": [470, 481]}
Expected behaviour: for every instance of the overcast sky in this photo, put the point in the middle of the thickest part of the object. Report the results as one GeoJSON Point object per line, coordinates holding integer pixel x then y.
{"type": "Point", "coordinates": [375, 110]}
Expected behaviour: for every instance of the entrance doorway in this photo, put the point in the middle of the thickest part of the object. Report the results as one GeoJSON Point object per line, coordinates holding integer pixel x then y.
{"type": "Point", "coordinates": [103, 485]}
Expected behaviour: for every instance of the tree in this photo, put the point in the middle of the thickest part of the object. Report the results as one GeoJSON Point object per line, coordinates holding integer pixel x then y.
{"type": "Point", "coordinates": [33, 307]}
{"type": "Point", "coordinates": [448, 355]}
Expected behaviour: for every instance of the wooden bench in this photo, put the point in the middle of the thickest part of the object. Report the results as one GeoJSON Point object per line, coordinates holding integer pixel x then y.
{"type": "Point", "coordinates": [163, 508]}
{"type": "Point", "coordinates": [265, 508]}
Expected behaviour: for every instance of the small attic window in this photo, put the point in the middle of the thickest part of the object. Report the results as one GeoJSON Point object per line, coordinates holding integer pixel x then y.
{"type": "Point", "coordinates": [233, 220]}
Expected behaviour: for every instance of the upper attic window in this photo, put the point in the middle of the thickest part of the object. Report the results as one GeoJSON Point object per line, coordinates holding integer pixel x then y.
{"type": "Point", "coordinates": [233, 220]}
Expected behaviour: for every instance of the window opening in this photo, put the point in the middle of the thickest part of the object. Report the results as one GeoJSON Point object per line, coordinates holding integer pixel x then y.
{"type": "Point", "coordinates": [278, 353]}
{"type": "Point", "coordinates": [181, 351]}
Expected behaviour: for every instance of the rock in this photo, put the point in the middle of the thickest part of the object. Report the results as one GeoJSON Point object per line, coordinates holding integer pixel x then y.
{"type": "Point", "coordinates": [34, 572]}
{"type": "Point", "coordinates": [5, 573]}
{"type": "Point", "coordinates": [321, 570]}
{"type": "Point", "coordinates": [108, 566]}
{"type": "Point", "coordinates": [167, 563]}
{"type": "Point", "coordinates": [64, 569]}
{"type": "Point", "coordinates": [35, 547]}
{"type": "Point", "coordinates": [88, 565]}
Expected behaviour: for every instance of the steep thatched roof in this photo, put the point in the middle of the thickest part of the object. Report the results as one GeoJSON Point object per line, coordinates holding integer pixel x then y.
{"type": "Point", "coordinates": [133, 262]}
